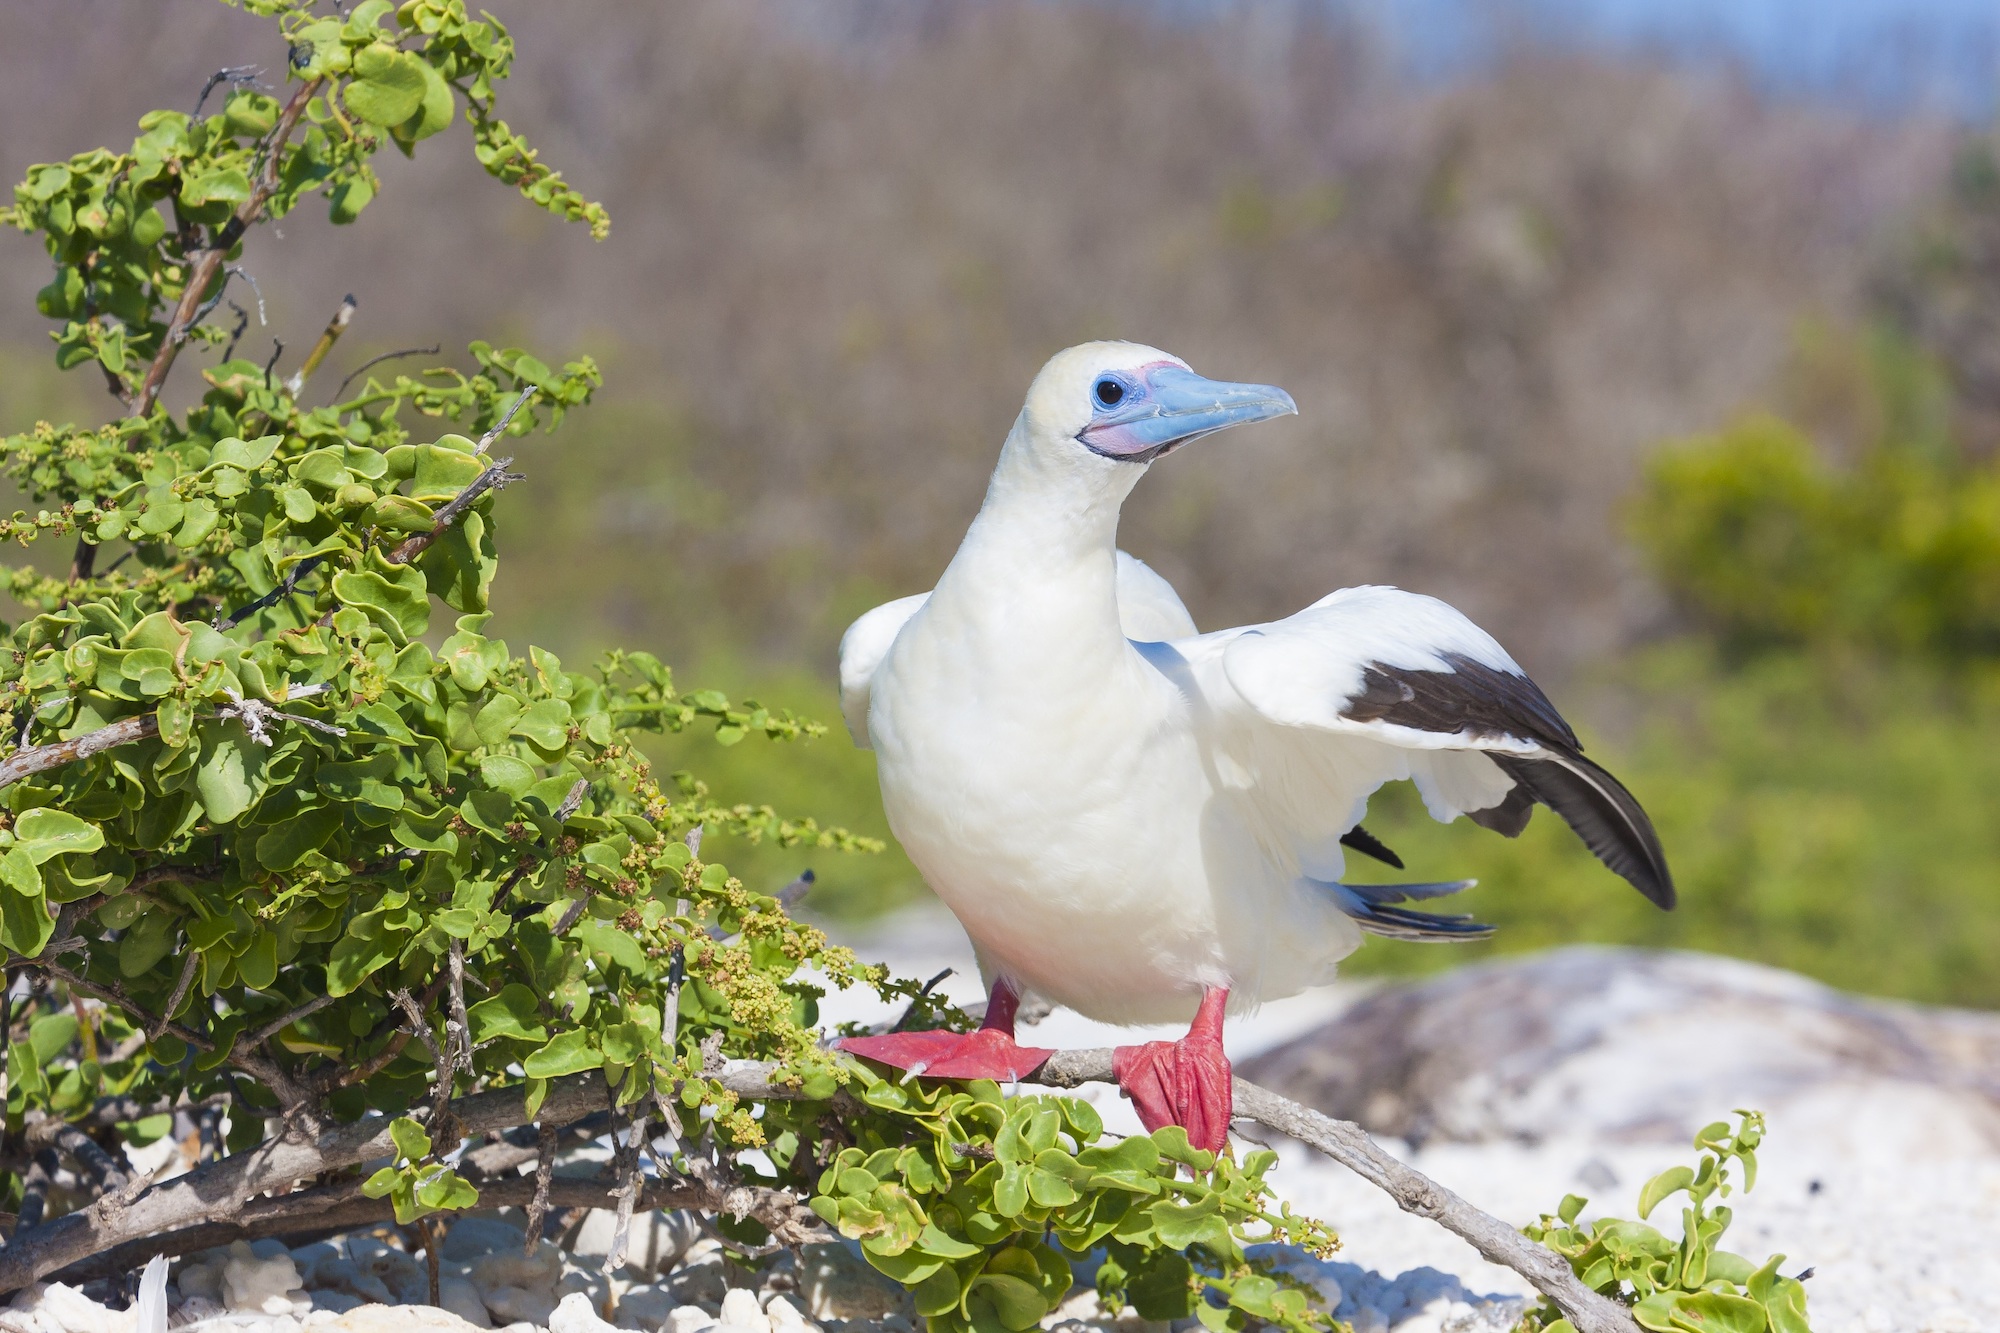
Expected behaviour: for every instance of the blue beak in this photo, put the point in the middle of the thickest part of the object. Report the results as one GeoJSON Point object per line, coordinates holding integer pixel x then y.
{"type": "Point", "coordinates": [1165, 406]}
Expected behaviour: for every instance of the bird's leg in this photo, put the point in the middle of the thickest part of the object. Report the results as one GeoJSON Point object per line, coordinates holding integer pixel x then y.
{"type": "Point", "coordinates": [988, 1053]}
{"type": "Point", "coordinates": [1185, 1082]}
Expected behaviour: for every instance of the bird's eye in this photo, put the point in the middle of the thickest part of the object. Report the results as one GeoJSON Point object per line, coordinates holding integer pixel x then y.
{"type": "Point", "coordinates": [1110, 392]}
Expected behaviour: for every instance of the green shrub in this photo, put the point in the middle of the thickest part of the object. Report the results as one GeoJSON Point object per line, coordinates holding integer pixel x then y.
{"type": "Point", "coordinates": [278, 841]}
{"type": "Point", "coordinates": [1765, 541]}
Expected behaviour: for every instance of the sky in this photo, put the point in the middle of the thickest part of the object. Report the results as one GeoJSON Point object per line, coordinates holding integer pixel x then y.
{"type": "Point", "coordinates": [1886, 54]}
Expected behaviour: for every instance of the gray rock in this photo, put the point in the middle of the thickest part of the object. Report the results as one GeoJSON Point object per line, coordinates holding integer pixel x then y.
{"type": "Point", "coordinates": [835, 1282]}
{"type": "Point", "coordinates": [1644, 1046]}
{"type": "Point", "coordinates": [471, 1237]}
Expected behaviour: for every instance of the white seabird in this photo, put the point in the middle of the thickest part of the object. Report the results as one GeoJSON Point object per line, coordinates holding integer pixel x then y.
{"type": "Point", "coordinates": [1145, 823]}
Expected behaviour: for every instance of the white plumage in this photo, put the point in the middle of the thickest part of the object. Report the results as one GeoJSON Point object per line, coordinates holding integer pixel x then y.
{"type": "Point", "coordinates": [1124, 813]}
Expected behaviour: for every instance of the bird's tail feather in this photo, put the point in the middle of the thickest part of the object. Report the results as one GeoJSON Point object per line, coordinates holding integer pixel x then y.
{"type": "Point", "coordinates": [1373, 908]}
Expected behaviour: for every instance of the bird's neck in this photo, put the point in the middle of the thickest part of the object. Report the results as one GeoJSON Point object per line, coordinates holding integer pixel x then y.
{"type": "Point", "coordinates": [1042, 555]}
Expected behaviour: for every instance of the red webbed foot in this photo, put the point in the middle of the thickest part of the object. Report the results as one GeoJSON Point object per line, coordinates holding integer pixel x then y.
{"type": "Point", "coordinates": [991, 1052]}
{"type": "Point", "coordinates": [987, 1053]}
{"type": "Point", "coordinates": [1185, 1082]}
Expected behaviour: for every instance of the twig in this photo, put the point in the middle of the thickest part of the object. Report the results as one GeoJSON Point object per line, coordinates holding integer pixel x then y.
{"type": "Point", "coordinates": [571, 803]}
{"type": "Point", "coordinates": [545, 1169]}
{"type": "Point", "coordinates": [499, 427]}
{"type": "Point", "coordinates": [494, 478]}
{"type": "Point", "coordinates": [457, 1027]}
{"type": "Point", "coordinates": [180, 993]}
{"type": "Point", "coordinates": [212, 257]}
{"type": "Point", "coordinates": [926, 989]}
{"type": "Point", "coordinates": [374, 361]}
{"type": "Point", "coordinates": [342, 317]}
{"type": "Point", "coordinates": [271, 598]}
{"type": "Point", "coordinates": [239, 76]}
{"type": "Point", "coordinates": [89, 1154]}
{"type": "Point", "coordinates": [792, 893]}
{"type": "Point", "coordinates": [235, 332]}
{"type": "Point", "coordinates": [277, 350]}
{"type": "Point", "coordinates": [283, 1021]}
{"type": "Point", "coordinates": [42, 758]}
{"type": "Point", "coordinates": [627, 1160]}
{"type": "Point", "coordinates": [442, 1129]}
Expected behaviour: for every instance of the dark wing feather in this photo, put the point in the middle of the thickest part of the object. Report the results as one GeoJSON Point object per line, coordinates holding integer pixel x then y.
{"type": "Point", "coordinates": [1373, 908]}
{"type": "Point", "coordinates": [1606, 816]}
{"type": "Point", "coordinates": [1361, 840]}
{"type": "Point", "coordinates": [1490, 703]}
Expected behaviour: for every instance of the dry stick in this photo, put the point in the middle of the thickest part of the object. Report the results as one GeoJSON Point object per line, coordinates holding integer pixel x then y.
{"type": "Point", "coordinates": [499, 427]}
{"type": "Point", "coordinates": [336, 1208]}
{"type": "Point", "coordinates": [219, 1189]}
{"type": "Point", "coordinates": [42, 758]}
{"type": "Point", "coordinates": [374, 361]}
{"type": "Point", "coordinates": [627, 1159]}
{"type": "Point", "coordinates": [495, 477]}
{"type": "Point", "coordinates": [545, 1170]}
{"type": "Point", "coordinates": [336, 326]}
{"type": "Point", "coordinates": [180, 993]}
{"type": "Point", "coordinates": [283, 1021]}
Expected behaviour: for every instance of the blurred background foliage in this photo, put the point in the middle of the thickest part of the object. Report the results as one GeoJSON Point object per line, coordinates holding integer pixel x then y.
{"type": "Point", "coordinates": [1688, 390]}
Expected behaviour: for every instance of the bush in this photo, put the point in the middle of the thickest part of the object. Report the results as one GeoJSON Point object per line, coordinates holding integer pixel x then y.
{"type": "Point", "coordinates": [1766, 542]}
{"type": "Point", "coordinates": [281, 851]}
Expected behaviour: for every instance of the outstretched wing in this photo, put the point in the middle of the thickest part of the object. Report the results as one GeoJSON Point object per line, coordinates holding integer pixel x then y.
{"type": "Point", "coordinates": [1405, 672]}
{"type": "Point", "coordinates": [1149, 610]}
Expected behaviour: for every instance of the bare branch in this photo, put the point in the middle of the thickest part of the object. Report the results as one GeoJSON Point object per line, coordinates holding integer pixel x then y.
{"type": "Point", "coordinates": [42, 758]}
{"type": "Point", "coordinates": [494, 478]}
{"type": "Point", "coordinates": [220, 1189]}
{"type": "Point", "coordinates": [499, 427]}
{"type": "Point", "coordinates": [271, 598]}
{"type": "Point", "coordinates": [180, 993]}
{"type": "Point", "coordinates": [279, 1024]}
{"type": "Point", "coordinates": [211, 259]}
{"type": "Point", "coordinates": [374, 361]}
{"type": "Point", "coordinates": [342, 317]}
{"type": "Point", "coordinates": [343, 1207]}
{"type": "Point", "coordinates": [545, 1169]}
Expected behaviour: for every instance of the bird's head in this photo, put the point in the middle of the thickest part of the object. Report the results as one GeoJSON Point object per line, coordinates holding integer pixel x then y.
{"type": "Point", "coordinates": [1124, 404]}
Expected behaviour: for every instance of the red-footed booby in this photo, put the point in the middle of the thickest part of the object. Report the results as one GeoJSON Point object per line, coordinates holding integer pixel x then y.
{"type": "Point", "coordinates": [1145, 823]}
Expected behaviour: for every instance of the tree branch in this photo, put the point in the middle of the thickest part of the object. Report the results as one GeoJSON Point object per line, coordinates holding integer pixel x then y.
{"type": "Point", "coordinates": [42, 758]}
{"type": "Point", "coordinates": [221, 1189]}
{"type": "Point", "coordinates": [334, 1208]}
{"type": "Point", "coordinates": [493, 478]}
{"type": "Point", "coordinates": [212, 258]}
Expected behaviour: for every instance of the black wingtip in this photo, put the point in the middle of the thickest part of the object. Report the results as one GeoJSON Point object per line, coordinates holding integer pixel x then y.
{"type": "Point", "coordinates": [1607, 817]}
{"type": "Point", "coordinates": [1361, 840]}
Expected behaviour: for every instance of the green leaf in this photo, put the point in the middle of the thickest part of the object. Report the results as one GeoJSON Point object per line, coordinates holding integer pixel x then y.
{"type": "Point", "coordinates": [25, 924]}
{"type": "Point", "coordinates": [514, 1013]}
{"type": "Point", "coordinates": [507, 773]}
{"type": "Point", "coordinates": [51, 1034]}
{"type": "Point", "coordinates": [355, 959]}
{"type": "Point", "coordinates": [1671, 1181]}
{"type": "Point", "coordinates": [412, 1143]}
{"type": "Point", "coordinates": [1017, 1303]}
{"type": "Point", "coordinates": [227, 780]}
{"type": "Point", "coordinates": [43, 833]}
{"type": "Point", "coordinates": [388, 86]}
{"type": "Point", "coordinates": [401, 604]}
{"type": "Point", "coordinates": [291, 842]}
{"type": "Point", "coordinates": [566, 1053]}
{"type": "Point", "coordinates": [1161, 1290]}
